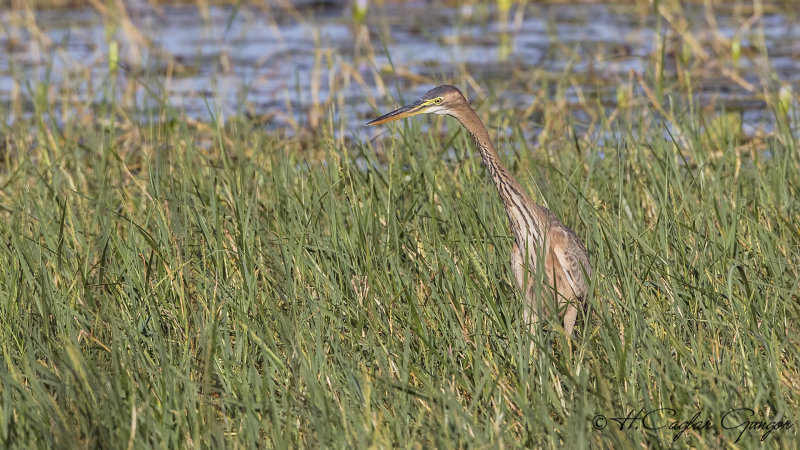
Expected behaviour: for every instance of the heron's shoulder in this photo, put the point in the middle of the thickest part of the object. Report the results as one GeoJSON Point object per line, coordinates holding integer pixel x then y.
{"type": "Point", "coordinates": [563, 236]}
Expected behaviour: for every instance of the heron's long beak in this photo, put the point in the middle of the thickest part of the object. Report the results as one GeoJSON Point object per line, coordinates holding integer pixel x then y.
{"type": "Point", "coordinates": [413, 109]}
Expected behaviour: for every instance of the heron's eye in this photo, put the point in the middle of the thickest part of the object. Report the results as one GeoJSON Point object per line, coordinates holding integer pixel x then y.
{"type": "Point", "coordinates": [437, 101]}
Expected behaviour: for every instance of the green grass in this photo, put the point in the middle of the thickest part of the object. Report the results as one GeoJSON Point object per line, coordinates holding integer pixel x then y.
{"type": "Point", "coordinates": [160, 291]}
{"type": "Point", "coordinates": [171, 285]}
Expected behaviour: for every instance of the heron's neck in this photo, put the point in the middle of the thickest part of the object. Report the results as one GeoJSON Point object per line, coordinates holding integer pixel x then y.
{"type": "Point", "coordinates": [525, 221]}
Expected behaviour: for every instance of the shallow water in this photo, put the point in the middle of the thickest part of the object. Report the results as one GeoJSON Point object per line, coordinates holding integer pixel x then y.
{"type": "Point", "coordinates": [281, 62]}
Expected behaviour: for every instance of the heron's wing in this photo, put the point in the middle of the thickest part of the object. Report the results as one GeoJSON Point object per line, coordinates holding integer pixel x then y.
{"type": "Point", "coordinates": [573, 259]}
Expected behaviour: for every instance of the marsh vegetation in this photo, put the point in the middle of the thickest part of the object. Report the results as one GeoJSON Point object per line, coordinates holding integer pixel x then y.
{"type": "Point", "coordinates": [203, 247]}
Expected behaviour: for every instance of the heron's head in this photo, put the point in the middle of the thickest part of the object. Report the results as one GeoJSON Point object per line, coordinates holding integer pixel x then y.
{"type": "Point", "coordinates": [440, 100]}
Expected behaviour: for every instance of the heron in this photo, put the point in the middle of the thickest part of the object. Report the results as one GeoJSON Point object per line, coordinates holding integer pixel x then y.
{"type": "Point", "coordinates": [539, 237]}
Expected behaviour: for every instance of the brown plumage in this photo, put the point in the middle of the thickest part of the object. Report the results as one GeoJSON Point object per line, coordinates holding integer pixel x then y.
{"type": "Point", "coordinates": [538, 234]}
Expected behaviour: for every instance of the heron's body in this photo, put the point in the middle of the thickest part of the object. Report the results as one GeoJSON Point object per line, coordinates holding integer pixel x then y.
{"type": "Point", "coordinates": [539, 237]}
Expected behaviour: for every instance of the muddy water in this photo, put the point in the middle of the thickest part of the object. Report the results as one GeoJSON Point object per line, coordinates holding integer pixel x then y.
{"type": "Point", "coordinates": [290, 63]}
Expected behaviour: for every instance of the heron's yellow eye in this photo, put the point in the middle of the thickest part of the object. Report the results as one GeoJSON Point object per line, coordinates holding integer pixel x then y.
{"type": "Point", "coordinates": [437, 101]}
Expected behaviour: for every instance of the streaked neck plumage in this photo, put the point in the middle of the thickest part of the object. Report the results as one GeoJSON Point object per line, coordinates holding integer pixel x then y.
{"type": "Point", "coordinates": [526, 221]}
